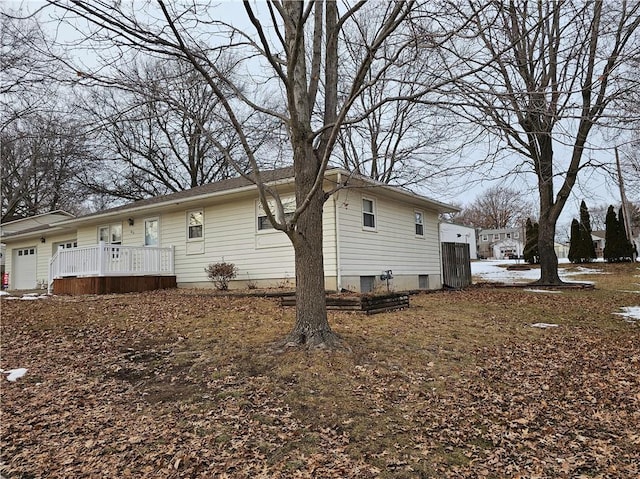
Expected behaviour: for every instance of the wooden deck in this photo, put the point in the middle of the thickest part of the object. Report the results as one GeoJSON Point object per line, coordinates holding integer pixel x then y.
{"type": "Point", "coordinates": [112, 284]}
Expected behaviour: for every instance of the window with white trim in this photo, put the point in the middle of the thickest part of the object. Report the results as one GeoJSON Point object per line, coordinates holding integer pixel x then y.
{"type": "Point", "coordinates": [110, 234]}
{"type": "Point", "coordinates": [496, 236]}
{"type": "Point", "coordinates": [516, 235]}
{"type": "Point", "coordinates": [368, 213]}
{"type": "Point", "coordinates": [419, 219]}
{"type": "Point", "coordinates": [263, 223]}
{"type": "Point", "coordinates": [151, 232]}
{"type": "Point", "coordinates": [195, 225]}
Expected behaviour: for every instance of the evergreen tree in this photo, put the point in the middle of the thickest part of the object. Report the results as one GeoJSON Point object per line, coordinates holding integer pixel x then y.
{"type": "Point", "coordinates": [611, 242]}
{"type": "Point", "coordinates": [574, 243]}
{"type": "Point", "coordinates": [587, 251]}
{"type": "Point", "coordinates": [530, 253]}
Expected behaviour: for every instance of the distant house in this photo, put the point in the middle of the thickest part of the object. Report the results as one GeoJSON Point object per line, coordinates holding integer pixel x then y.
{"type": "Point", "coordinates": [368, 228]}
{"type": "Point", "coordinates": [500, 243]}
{"type": "Point", "coordinates": [454, 233]}
{"type": "Point", "coordinates": [598, 242]}
{"type": "Point", "coordinates": [562, 250]}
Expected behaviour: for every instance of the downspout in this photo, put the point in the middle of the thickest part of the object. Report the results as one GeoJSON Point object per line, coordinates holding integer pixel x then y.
{"type": "Point", "coordinates": [440, 252]}
{"type": "Point", "coordinates": [337, 233]}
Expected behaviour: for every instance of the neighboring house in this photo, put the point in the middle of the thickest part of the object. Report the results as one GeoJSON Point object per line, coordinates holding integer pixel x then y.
{"type": "Point", "coordinates": [26, 257]}
{"type": "Point", "coordinates": [598, 242]}
{"type": "Point", "coordinates": [500, 243]}
{"type": "Point", "coordinates": [368, 228]}
{"type": "Point", "coordinates": [562, 250]}
{"type": "Point", "coordinates": [454, 233]}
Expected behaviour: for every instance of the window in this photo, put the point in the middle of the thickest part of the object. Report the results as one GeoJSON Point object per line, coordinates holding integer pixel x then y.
{"type": "Point", "coordinates": [367, 284]}
{"type": "Point", "coordinates": [368, 214]}
{"type": "Point", "coordinates": [151, 232]}
{"type": "Point", "coordinates": [195, 225]}
{"type": "Point", "coordinates": [496, 236]}
{"type": "Point", "coordinates": [64, 245]}
{"type": "Point", "coordinates": [485, 237]}
{"type": "Point", "coordinates": [423, 281]}
{"type": "Point", "coordinates": [111, 234]}
{"type": "Point", "coordinates": [419, 223]}
{"type": "Point", "coordinates": [516, 235]}
{"type": "Point", "coordinates": [509, 235]}
{"type": "Point", "coordinates": [289, 206]}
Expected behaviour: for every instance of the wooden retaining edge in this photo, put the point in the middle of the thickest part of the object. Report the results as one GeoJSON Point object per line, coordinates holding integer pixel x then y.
{"type": "Point", "coordinates": [367, 304]}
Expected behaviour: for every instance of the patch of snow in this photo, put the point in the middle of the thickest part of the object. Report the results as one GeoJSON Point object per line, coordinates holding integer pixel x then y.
{"type": "Point", "coordinates": [11, 297]}
{"type": "Point", "coordinates": [32, 296]}
{"type": "Point", "coordinates": [544, 325]}
{"type": "Point", "coordinates": [3, 293]}
{"type": "Point", "coordinates": [14, 374]}
{"type": "Point", "coordinates": [496, 271]}
{"type": "Point", "coordinates": [631, 313]}
{"type": "Point", "coordinates": [541, 291]}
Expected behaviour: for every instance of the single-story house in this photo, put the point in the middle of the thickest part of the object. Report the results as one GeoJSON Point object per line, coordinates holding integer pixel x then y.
{"type": "Point", "coordinates": [455, 233]}
{"type": "Point", "coordinates": [368, 228]}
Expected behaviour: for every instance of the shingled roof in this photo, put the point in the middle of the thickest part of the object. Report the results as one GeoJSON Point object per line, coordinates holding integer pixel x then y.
{"type": "Point", "coordinates": [210, 188]}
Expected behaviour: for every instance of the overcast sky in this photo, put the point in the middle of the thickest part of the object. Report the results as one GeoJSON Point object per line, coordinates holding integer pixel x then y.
{"type": "Point", "coordinates": [593, 186]}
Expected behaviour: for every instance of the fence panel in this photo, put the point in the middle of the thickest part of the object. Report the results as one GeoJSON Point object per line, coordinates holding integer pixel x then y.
{"type": "Point", "coordinates": [456, 265]}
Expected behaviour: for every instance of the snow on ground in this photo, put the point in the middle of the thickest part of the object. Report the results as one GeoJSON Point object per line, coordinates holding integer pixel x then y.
{"type": "Point", "coordinates": [496, 271]}
{"type": "Point", "coordinates": [551, 291]}
{"type": "Point", "coordinates": [630, 313]}
{"type": "Point", "coordinates": [24, 297]}
{"type": "Point", "coordinates": [14, 374]}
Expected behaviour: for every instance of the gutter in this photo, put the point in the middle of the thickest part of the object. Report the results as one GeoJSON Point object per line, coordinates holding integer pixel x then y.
{"type": "Point", "coordinates": [337, 232]}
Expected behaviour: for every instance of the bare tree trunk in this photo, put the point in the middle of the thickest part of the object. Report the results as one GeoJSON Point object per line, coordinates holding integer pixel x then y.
{"type": "Point", "coordinates": [312, 326]}
{"type": "Point", "coordinates": [548, 258]}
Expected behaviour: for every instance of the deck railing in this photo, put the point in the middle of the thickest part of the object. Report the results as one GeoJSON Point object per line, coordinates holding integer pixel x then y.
{"type": "Point", "coordinates": [111, 260]}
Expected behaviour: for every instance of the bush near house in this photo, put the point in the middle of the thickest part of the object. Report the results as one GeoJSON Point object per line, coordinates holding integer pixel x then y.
{"type": "Point", "coordinates": [221, 274]}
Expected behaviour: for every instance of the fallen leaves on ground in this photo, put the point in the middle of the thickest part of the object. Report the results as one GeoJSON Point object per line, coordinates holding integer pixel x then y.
{"type": "Point", "coordinates": [184, 384]}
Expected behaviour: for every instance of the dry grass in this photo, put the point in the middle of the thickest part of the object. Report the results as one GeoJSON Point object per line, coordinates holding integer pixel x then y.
{"type": "Point", "coordinates": [186, 384]}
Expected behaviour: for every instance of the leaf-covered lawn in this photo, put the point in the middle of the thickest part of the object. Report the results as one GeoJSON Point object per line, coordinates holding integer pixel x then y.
{"type": "Point", "coordinates": [186, 384]}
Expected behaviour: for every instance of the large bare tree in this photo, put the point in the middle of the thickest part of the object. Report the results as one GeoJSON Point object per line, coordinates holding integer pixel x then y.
{"type": "Point", "coordinates": [498, 207]}
{"type": "Point", "coordinates": [290, 55]}
{"type": "Point", "coordinates": [403, 141]}
{"type": "Point", "coordinates": [42, 155]}
{"type": "Point", "coordinates": [558, 68]}
{"type": "Point", "coordinates": [42, 147]}
{"type": "Point", "coordinates": [150, 124]}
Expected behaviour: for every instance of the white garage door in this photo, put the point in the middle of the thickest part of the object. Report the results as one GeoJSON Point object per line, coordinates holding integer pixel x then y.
{"type": "Point", "coordinates": [23, 268]}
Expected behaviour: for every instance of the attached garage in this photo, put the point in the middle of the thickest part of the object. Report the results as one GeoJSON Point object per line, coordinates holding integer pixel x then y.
{"type": "Point", "coordinates": [24, 267]}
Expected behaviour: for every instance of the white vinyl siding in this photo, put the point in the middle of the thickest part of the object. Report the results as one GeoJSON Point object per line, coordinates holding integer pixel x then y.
{"type": "Point", "coordinates": [394, 247]}
{"type": "Point", "coordinates": [230, 235]}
